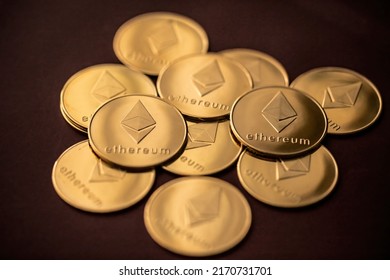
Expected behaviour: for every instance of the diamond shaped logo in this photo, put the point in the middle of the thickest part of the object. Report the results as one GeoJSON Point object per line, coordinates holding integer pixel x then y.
{"type": "Point", "coordinates": [104, 173]}
{"type": "Point", "coordinates": [201, 135]}
{"type": "Point", "coordinates": [286, 169]}
{"type": "Point", "coordinates": [341, 96]}
{"type": "Point", "coordinates": [279, 112]}
{"type": "Point", "coordinates": [255, 69]}
{"type": "Point", "coordinates": [138, 122]}
{"type": "Point", "coordinates": [163, 38]}
{"type": "Point", "coordinates": [107, 87]}
{"type": "Point", "coordinates": [203, 208]}
{"type": "Point", "coordinates": [208, 79]}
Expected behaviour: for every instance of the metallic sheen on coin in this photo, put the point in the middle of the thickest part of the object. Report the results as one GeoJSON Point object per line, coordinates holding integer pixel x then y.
{"type": "Point", "coordinates": [197, 216]}
{"type": "Point", "coordinates": [86, 90]}
{"type": "Point", "coordinates": [86, 182]}
{"type": "Point", "coordinates": [278, 122]}
{"type": "Point", "coordinates": [203, 86]}
{"type": "Point", "coordinates": [350, 100]}
{"type": "Point", "coordinates": [150, 41]}
{"type": "Point", "coordinates": [137, 131]}
{"type": "Point", "coordinates": [263, 68]}
{"type": "Point", "coordinates": [211, 147]}
{"type": "Point", "coordinates": [289, 182]}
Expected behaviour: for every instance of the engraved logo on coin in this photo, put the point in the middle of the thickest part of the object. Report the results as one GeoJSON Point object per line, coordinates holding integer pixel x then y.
{"type": "Point", "coordinates": [203, 208]}
{"type": "Point", "coordinates": [201, 135]}
{"type": "Point", "coordinates": [103, 173]}
{"type": "Point", "coordinates": [138, 123]}
{"type": "Point", "coordinates": [163, 38]}
{"type": "Point", "coordinates": [254, 67]}
{"type": "Point", "coordinates": [279, 112]}
{"type": "Point", "coordinates": [107, 87]}
{"type": "Point", "coordinates": [341, 96]}
{"type": "Point", "coordinates": [209, 78]}
{"type": "Point", "coordinates": [286, 169]}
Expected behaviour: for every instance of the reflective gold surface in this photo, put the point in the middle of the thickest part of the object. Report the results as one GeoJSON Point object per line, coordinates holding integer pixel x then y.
{"type": "Point", "coordinates": [89, 88]}
{"type": "Point", "coordinates": [210, 148]}
{"type": "Point", "coordinates": [263, 68]}
{"type": "Point", "coordinates": [350, 100]}
{"type": "Point", "coordinates": [197, 216]}
{"type": "Point", "coordinates": [278, 122]}
{"type": "Point", "coordinates": [150, 41]}
{"type": "Point", "coordinates": [289, 183]}
{"type": "Point", "coordinates": [137, 131]}
{"type": "Point", "coordinates": [203, 86]}
{"type": "Point", "coordinates": [86, 182]}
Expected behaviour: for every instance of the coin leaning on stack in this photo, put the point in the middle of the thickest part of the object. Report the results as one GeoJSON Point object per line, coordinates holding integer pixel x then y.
{"type": "Point", "coordinates": [206, 112]}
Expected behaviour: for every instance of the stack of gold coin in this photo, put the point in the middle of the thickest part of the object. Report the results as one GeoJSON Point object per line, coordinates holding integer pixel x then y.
{"type": "Point", "coordinates": [207, 111]}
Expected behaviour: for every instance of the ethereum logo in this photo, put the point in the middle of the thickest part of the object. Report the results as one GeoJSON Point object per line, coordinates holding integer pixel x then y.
{"type": "Point", "coordinates": [208, 78]}
{"type": "Point", "coordinates": [138, 122]}
{"type": "Point", "coordinates": [203, 207]}
{"type": "Point", "coordinates": [107, 87]}
{"type": "Point", "coordinates": [341, 96]}
{"type": "Point", "coordinates": [254, 68]}
{"type": "Point", "coordinates": [103, 173]}
{"type": "Point", "coordinates": [279, 113]}
{"type": "Point", "coordinates": [163, 38]}
{"type": "Point", "coordinates": [292, 168]}
{"type": "Point", "coordinates": [201, 135]}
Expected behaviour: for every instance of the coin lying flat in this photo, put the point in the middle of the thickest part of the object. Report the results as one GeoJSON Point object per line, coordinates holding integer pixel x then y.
{"type": "Point", "coordinates": [203, 86]}
{"type": "Point", "coordinates": [289, 183]}
{"type": "Point", "coordinates": [86, 182]}
{"type": "Point", "coordinates": [210, 148]}
{"type": "Point", "coordinates": [278, 122]}
{"type": "Point", "coordinates": [197, 216]}
{"type": "Point", "coordinates": [89, 88]}
{"type": "Point", "coordinates": [150, 41]}
{"type": "Point", "coordinates": [350, 100]}
{"type": "Point", "coordinates": [263, 68]}
{"type": "Point", "coordinates": [137, 131]}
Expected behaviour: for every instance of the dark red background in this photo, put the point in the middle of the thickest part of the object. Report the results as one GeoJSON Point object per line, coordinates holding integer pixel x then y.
{"type": "Point", "coordinates": [43, 43]}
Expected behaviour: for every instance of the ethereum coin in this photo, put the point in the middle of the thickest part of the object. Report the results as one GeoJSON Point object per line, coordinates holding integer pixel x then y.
{"type": "Point", "coordinates": [203, 86]}
{"type": "Point", "coordinates": [263, 68]}
{"type": "Point", "coordinates": [350, 100]}
{"type": "Point", "coordinates": [278, 122]}
{"type": "Point", "coordinates": [197, 216]}
{"type": "Point", "coordinates": [89, 88]}
{"type": "Point", "coordinates": [150, 41]}
{"type": "Point", "coordinates": [137, 131]}
{"type": "Point", "coordinates": [289, 182]}
{"type": "Point", "coordinates": [210, 148]}
{"type": "Point", "coordinates": [86, 182]}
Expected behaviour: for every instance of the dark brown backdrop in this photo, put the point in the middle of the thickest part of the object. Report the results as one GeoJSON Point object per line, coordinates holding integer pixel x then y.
{"type": "Point", "coordinates": [43, 43]}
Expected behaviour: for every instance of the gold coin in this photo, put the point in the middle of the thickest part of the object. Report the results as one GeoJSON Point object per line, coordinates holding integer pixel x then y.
{"type": "Point", "coordinates": [86, 182]}
{"type": "Point", "coordinates": [278, 122]}
{"type": "Point", "coordinates": [89, 88]}
{"type": "Point", "coordinates": [289, 183]}
{"type": "Point", "coordinates": [350, 100]}
{"type": "Point", "coordinates": [137, 131]}
{"type": "Point", "coordinates": [150, 41]}
{"type": "Point", "coordinates": [197, 216]}
{"type": "Point", "coordinates": [203, 86]}
{"type": "Point", "coordinates": [210, 148]}
{"type": "Point", "coordinates": [263, 68]}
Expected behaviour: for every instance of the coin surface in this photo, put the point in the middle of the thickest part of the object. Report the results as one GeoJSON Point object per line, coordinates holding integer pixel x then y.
{"type": "Point", "coordinates": [278, 122]}
{"type": "Point", "coordinates": [350, 100]}
{"type": "Point", "coordinates": [211, 147]}
{"type": "Point", "coordinates": [150, 41]}
{"type": "Point", "coordinates": [86, 182]}
{"type": "Point", "coordinates": [89, 88]}
{"type": "Point", "coordinates": [203, 86]}
{"type": "Point", "coordinates": [263, 68]}
{"type": "Point", "coordinates": [289, 182]}
{"type": "Point", "coordinates": [197, 216]}
{"type": "Point", "coordinates": [137, 131]}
